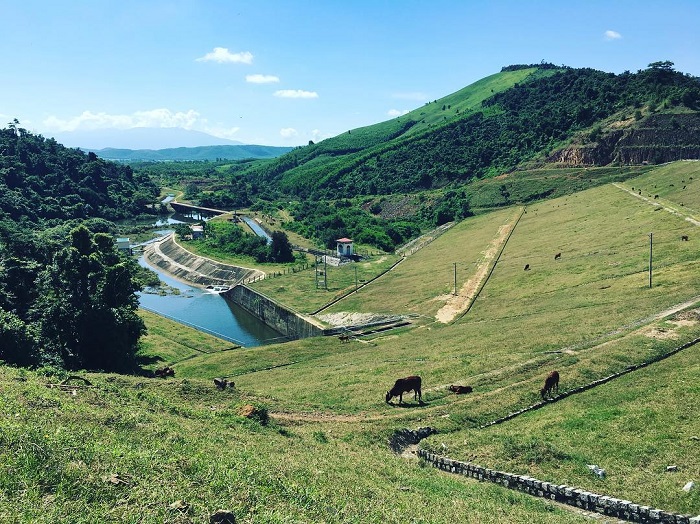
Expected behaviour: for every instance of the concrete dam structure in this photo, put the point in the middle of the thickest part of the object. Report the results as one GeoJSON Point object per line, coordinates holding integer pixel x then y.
{"type": "Point", "coordinates": [202, 272]}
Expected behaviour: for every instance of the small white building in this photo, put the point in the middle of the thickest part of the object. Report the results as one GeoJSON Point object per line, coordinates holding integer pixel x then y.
{"type": "Point", "coordinates": [197, 232]}
{"type": "Point", "coordinates": [344, 247]}
{"type": "Point", "coordinates": [123, 245]}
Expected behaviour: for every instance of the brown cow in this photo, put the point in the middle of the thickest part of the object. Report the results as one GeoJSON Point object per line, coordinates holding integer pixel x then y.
{"type": "Point", "coordinates": [404, 385]}
{"type": "Point", "coordinates": [460, 390]}
{"type": "Point", "coordinates": [551, 383]}
{"type": "Point", "coordinates": [344, 338]}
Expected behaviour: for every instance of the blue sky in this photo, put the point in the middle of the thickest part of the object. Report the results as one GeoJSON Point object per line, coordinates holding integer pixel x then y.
{"type": "Point", "coordinates": [286, 72]}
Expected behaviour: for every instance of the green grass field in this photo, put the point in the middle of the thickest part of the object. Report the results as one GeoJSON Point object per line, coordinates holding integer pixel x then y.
{"type": "Point", "coordinates": [130, 447]}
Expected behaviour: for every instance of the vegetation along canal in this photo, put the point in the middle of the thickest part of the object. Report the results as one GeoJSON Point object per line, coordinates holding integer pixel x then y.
{"type": "Point", "coordinates": [208, 312]}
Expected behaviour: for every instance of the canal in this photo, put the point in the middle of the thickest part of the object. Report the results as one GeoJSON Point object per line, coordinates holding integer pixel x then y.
{"type": "Point", "coordinates": [208, 312]}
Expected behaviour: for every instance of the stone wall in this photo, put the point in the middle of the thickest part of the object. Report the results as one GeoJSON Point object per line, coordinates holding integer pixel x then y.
{"type": "Point", "coordinates": [613, 507]}
{"type": "Point", "coordinates": [288, 323]}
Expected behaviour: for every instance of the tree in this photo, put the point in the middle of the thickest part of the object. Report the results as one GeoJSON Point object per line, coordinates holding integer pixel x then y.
{"type": "Point", "coordinates": [280, 248]}
{"type": "Point", "coordinates": [87, 309]}
{"type": "Point", "coordinates": [662, 65]}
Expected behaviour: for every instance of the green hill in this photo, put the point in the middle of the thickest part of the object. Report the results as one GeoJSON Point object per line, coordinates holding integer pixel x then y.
{"type": "Point", "coordinates": [495, 125]}
{"type": "Point", "coordinates": [44, 182]}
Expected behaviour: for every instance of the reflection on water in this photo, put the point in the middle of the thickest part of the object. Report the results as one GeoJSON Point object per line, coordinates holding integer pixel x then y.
{"type": "Point", "coordinates": [208, 312]}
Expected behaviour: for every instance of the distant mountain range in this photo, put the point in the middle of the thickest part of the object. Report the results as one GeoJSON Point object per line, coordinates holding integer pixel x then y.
{"type": "Point", "coordinates": [139, 138]}
{"type": "Point", "coordinates": [233, 152]}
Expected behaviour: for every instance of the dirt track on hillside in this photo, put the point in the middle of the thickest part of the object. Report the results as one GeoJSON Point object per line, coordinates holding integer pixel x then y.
{"type": "Point", "coordinates": [656, 203]}
{"type": "Point", "coordinates": [459, 303]}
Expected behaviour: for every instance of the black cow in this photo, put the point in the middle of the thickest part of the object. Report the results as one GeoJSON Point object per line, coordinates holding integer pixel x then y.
{"type": "Point", "coordinates": [167, 371]}
{"type": "Point", "coordinates": [404, 385]}
{"type": "Point", "coordinates": [460, 390]}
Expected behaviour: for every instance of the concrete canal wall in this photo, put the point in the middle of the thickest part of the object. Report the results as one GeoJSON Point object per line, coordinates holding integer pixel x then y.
{"type": "Point", "coordinates": [288, 323]}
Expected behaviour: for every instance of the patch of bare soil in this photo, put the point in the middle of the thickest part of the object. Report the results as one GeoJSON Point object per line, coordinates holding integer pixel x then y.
{"type": "Point", "coordinates": [348, 318]}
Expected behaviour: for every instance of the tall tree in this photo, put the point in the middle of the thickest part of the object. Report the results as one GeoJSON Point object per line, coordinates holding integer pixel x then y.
{"type": "Point", "coordinates": [88, 304]}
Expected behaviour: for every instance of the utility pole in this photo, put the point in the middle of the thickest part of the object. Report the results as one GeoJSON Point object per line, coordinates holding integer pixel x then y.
{"type": "Point", "coordinates": [651, 249]}
{"type": "Point", "coordinates": [455, 264]}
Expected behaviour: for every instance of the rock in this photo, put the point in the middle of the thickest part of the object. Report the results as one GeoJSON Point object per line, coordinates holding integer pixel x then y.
{"type": "Point", "coordinates": [597, 470]}
{"type": "Point", "coordinates": [689, 487]}
{"type": "Point", "coordinates": [222, 516]}
{"type": "Point", "coordinates": [179, 505]}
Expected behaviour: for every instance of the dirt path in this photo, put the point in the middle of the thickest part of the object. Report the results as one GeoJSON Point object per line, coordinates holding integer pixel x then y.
{"type": "Point", "coordinates": [459, 303]}
{"type": "Point", "coordinates": [656, 203]}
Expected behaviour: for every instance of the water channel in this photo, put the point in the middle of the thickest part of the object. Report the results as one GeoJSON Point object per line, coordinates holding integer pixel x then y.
{"type": "Point", "coordinates": [208, 312]}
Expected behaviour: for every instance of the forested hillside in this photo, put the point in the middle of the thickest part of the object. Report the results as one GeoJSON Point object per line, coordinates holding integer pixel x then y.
{"type": "Point", "coordinates": [66, 295]}
{"type": "Point", "coordinates": [530, 120]}
{"type": "Point", "coordinates": [43, 181]}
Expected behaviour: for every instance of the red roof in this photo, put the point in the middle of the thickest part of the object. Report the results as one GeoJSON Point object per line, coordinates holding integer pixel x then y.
{"type": "Point", "coordinates": [344, 240]}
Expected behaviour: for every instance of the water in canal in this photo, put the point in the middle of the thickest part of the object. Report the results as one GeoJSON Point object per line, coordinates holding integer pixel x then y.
{"type": "Point", "coordinates": [208, 312]}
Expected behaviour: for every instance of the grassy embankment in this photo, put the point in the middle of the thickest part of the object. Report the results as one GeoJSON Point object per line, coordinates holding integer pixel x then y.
{"type": "Point", "coordinates": [127, 449]}
{"type": "Point", "coordinates": [581, 314]}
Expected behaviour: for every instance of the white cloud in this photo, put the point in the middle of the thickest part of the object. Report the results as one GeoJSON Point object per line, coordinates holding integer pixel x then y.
{"type": "Point", "coordinates": [396, 112]}
{"type": "Point", "coordinates": [296, 93]}
{"type": "Point", "coordinates": [161, 117]}
{"type": "Point", "coordinates": [611, 35]}
{"type": "Point", "coordinates": [289, 132]}
{"type": "Point", "coordinates": [222, 55]}
{"type": "Point", "coordinates": [262, 79]}
{"type": "Point", "coordinates": [229, 133]}
{"type": "Point", "coordinates": [417, 96]}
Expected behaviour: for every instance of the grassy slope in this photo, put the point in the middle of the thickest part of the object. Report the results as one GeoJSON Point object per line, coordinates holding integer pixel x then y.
{"type": "Point", "coordinates": [130, 448]}
{"type": "Point", "coordinates": [327, 157]}
{"type": "Point", "coordinates": [590, 303]}
{"type": "Point", "coordinates": [633, 427]}
{"type": "Point", "coordinates": [335, 466]}
{"type": "Point", "coordinates": [423, 282]}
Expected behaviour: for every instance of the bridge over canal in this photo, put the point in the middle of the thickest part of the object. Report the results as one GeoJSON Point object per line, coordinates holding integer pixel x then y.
{"type": "Point", "coordinates": [188, 209]}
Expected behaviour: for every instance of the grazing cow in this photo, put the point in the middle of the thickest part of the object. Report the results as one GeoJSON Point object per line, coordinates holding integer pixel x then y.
{"type": "Point", "coordinates": [167, 371]}
{"type": "Point", "coordinates": [460, 390]}
{"type": "Point", "coordinates": [404, 385]}
{"type": "Point", "coordinates": [684, 238]}
{"type": "Point", "coordinates": [344, 338]}
{"type": "Point", "coordinates": [551, 383]}
{"type": "Point", "coordinates": [557, 256]}
{"type": "Point", "coordinates": [527, 267]}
